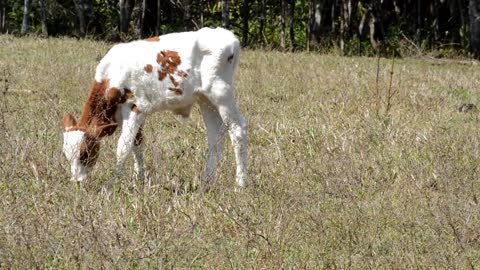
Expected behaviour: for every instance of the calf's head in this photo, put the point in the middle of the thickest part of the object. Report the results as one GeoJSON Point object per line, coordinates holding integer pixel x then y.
{"type": "Point", "coordinates": [81, 145]}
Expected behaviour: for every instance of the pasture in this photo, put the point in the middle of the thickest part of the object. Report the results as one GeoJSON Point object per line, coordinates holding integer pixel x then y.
{"type": "Point", "coordinates": [332, 183]}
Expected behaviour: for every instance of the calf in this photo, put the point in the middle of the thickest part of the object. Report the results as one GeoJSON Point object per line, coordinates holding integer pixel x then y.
{"type": "Point", "coordinates": [170, 72]}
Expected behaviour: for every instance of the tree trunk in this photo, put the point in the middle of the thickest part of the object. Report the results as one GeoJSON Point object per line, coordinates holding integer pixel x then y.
{"type": "Point", "coordinates": [43, 17]}
{"type": "Point", "coordinates": [375, 25]}
{"type": "Point", "coordinates": [201, 13]}
{"type": "Point", "coordinates": [26, 13]}
{"type": "Point", "coordinates": [158, 23]}
{"type": "Point", "coordinates": [187, 15]}
{"type": "Point", "coordinates": [474, 14]}
{"type": "Point", "coordinates": [371, 26]}
{"type": "Point", "coordinates": [80, 16]}
{"type": "Point", "coordinates": [291, 24]}
{"type": "Point", "coordinates": [323, 19]}
{"type": "Point", "coordinates": [309, 33]}
{"type": "Point", "coordinates": [456, 22]}
{"type": "Point", "coordinates": [418, 21]}
{"type": "Point", "coordinates": [84, 10]}
{"type": "Point", "coordinates": [245, 13]}
{"type": "Point", "coordinates": [225, 14]}
{"type": "Point", "coordinates": [126, 8]}
{"type": "Point", "coordinates": [141, 19]}
{"type": "Point", "coordinates": [282, 24]}
{"type": "Point", "coordinates": [3, 14]}
{"type": "Point", "coordinates": [333, 14]}
{"type": "Point", "coordinates": [123, 16]}
{"type": "Point", "coordinates": [362, 23]}
{"type": "Point", "coordinates": [150, 21]}
{"type": "Point", "coordinates": [347, 17]}
{"type": "Point", "coordinates": [263, 18]}
{"type": "Point", "coordinates": [463, 20]}
{"type": "Point", "coordinates": [315, 21]}
{"type": "Point", "coordinates": [343, 24]}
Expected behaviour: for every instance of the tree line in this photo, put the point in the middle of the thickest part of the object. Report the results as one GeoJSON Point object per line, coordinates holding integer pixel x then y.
{"type": "Point", "coordinates": [352, 26]}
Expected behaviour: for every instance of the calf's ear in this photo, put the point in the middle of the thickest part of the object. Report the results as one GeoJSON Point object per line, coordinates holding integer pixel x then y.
{"type": "Point", "coordinates": [68, 122]}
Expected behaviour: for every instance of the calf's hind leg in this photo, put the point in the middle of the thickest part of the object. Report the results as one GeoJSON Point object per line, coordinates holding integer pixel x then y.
{"type": "Point", "coordinates": [215, 128]}
{"type": "Point", "coordinates": [221, 96]}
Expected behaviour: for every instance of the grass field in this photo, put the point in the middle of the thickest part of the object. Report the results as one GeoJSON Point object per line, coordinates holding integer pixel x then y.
{"type": "Point", "coordinates": [333, 184]}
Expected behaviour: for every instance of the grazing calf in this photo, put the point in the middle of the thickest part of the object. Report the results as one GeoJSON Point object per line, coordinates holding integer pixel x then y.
{"type": "Point", "coordinates": [170, 72]}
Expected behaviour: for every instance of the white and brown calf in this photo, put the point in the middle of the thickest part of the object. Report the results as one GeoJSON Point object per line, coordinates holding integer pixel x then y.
{"type": "Point", "coordinates": [170, 72]}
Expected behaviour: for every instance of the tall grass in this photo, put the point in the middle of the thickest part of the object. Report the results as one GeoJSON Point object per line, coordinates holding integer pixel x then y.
{"type": "Point", "coordinates": [332, 184]}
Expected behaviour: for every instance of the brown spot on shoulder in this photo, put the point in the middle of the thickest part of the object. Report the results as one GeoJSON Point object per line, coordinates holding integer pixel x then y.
{"type": "Point", "coordinates": [98, 117]}
{"type": "Point", "coordinates": [148, 68]}
{"type": "Point", "coordinates": [153, 39]}
{"type": "Point", "coordinates": [100, 107]}
{"type": "Point", "coordinates": [114, 96]}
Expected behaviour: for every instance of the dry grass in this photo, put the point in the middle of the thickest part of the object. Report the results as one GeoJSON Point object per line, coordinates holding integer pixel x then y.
{"type": "Point", "coordinates": [332, 185]}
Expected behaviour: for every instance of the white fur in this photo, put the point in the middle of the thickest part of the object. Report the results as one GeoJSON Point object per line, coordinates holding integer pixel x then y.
{"type": "Point", "coordinates": [71, 148]}
{"type": "Point", "coordinates": [208, 57]}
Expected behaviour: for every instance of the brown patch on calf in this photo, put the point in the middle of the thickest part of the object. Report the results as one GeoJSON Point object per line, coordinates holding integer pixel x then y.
{"type": "Point", "coordinates": [182, 74]}
{"type": "Point", "coordinates": [128, 94]}
{"type": "Point", "coordinates": [148, 68]}
{"type": "Point", "coordinates": [113, 96]}
{"type": "Point", "coordinates": [161, 75]}
{"type": "Point", "coordinates": [169, 61]}
{"type": "Point", "coordinates": [89, 150]}
{"type": "Point", "coordinates": [135, 109]}
{"type": "Point", "coordinates": [172, 79]}
{"type": "Point", "coordinates": [69, 122]}
{"type": "Point", "coordinates": [153, 39]}
{"type": "Point", "coordinates": [177, 91]}
{"type": "Point", "coordinates": [99, 109]}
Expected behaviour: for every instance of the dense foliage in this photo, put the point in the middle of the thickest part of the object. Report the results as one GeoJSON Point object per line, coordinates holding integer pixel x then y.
{"type": "Point", "coordinates": [352, 26]}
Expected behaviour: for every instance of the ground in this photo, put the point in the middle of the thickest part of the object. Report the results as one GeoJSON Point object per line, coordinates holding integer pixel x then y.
{"type": "Point", "coordinates": [338, 178]}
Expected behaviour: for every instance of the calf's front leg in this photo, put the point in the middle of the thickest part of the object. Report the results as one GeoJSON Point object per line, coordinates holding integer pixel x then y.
{"type": "Point", "coordinates": [133, 120]}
